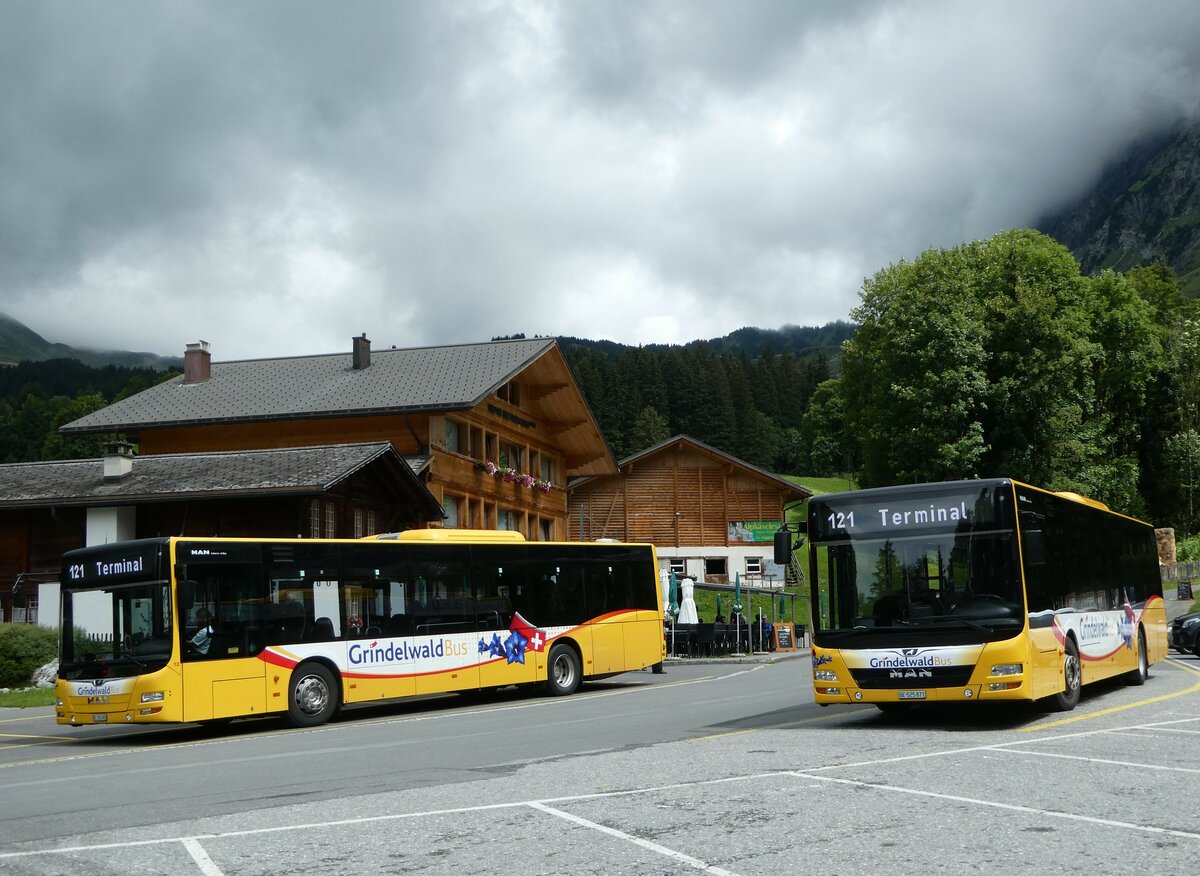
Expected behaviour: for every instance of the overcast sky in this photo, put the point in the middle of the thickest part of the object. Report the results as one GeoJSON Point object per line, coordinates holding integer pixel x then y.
{"type": "Point", "coordinates": [277, 177]}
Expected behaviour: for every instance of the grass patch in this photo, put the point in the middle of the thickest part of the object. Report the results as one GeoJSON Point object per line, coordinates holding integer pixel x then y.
{"type": "Point", "coordinates": [821, 486]}
{"type": "Point", "coordinates": [29, 697]}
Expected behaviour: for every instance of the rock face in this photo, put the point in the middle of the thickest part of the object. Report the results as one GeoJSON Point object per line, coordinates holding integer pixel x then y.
{"type": "Point", "coordinates": [1145, 207]}
{"type": "Point", "coordinates": [46, 675]}
{"type": "Point", "coordinates": [1166, 546]}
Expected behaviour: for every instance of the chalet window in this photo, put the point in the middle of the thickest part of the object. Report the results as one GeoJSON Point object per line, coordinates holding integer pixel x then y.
{"type": "Point", "coordinates": [322, 519]}
{"type": "Point", "coordinates": [364, 522]}
{"type": "Point", "coordinates": [546, 529]}
{"type": "Point", "coordinates": [676, 565]}
{"type": "Point", "coordinates": [753, 565]}
{"type": "Point", "coordinates": [507, 519]}
{"type": "Point", "coordinates": [510, 393]}
{"type": "Point", "coordinates": [452, 436]}
{"type": "Point", "coordinates": [715, 567]}
{"type": "Point", "coordinates": [510, 456]}
{"type": "Point", "coordinates": [476, 441]}
{"type": "Point", "coordinates": [547, 469]}
{"type": "Point", "coordinates": [450, 506]}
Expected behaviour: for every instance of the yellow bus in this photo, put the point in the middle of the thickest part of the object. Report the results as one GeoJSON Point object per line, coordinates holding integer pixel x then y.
{"type": "Point", "coordinates": [209, 629]}
{"type": "Point", "coordinates": [977, 590]}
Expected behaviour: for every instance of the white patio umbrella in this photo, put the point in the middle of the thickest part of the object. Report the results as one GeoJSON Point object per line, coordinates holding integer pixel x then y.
{"type": "Point", "coordinates": [687, 606]}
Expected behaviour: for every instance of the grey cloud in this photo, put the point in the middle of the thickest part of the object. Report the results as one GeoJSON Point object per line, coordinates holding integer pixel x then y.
{"type": "Point", "coordinates": [277, 177]}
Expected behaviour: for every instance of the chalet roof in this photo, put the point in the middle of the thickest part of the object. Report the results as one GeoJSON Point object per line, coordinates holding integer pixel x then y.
{"type": "Point", "coordinates": [421, 378]}
{"type": "Point", "coordinates": [680, 442]}
{"type": "Point", "coordinates": [216, 475]}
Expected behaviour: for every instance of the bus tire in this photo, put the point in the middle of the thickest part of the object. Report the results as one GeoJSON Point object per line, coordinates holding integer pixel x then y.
{"type": "Point", "coordinates": [562, 671]}
{"type": "Point", "coordinates": [657, 668]}
{"type": "Point", "coordinates": [1138, 676]}
{"type": "Point", "coordinates": [1068, 697]}
{"type": "Point", "coordinates": [312, 695]}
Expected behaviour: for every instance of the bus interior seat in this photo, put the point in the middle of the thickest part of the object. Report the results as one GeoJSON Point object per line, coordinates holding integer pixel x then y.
{"type": "Point", "coordinates": [288, 625]}
{"type": "Point", "coordinates": [322, 629]}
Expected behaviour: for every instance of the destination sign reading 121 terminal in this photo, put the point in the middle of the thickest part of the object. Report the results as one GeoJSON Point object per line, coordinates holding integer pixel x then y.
{"type": "Point", "coordinates": [896, 516]}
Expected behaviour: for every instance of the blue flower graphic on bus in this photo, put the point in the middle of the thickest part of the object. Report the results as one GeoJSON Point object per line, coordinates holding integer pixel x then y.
{"type": "Point", "coordinates": [512, 649]}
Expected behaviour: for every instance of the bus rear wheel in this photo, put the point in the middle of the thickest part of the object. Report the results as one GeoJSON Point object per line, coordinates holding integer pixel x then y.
{"type": "Point", "coordinates": [1068, 698]}
{"type": "Point", "coordinates": [312, 695]}
{"type": "Point", "coordinates": [1139, 675]}
{"type": "Point", "coordinates": [563, 672]}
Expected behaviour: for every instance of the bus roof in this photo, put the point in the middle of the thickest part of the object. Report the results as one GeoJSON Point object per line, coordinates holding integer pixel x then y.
{"type": "Point", "coordinates": [464, 536]}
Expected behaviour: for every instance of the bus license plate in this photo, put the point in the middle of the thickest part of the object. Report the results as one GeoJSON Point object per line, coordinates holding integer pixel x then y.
{"type": "Point", "coordinates": [912, 694]}
{"type": "Point", "coordinates": [101, 718]}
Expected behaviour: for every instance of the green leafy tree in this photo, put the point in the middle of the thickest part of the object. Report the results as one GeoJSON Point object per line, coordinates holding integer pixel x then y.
{"type": "Point", "coordinates": [914, 377]}
{"type": "Point", "coordinates": [831, 449]}
{"type": "Point", "coordinates": [995, 358]}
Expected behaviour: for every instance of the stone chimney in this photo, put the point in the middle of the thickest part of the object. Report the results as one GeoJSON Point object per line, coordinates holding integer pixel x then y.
{"type": "Point", "coordinates": [362, 352]}
{"type": "Point", "coordinates": [118, 460]}
{"type": "Point", "coordinates": [197, 363]}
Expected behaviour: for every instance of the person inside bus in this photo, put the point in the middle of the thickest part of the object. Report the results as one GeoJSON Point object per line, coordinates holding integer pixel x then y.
{"type": "Point", "coordinates": [203, 637]}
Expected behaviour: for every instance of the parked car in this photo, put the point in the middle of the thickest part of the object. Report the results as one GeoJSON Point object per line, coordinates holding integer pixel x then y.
{"type": "Point", "coordinates": [1183, 633]}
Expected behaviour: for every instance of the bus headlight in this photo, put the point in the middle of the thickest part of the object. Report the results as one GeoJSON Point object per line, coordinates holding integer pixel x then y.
{"type": "Point", "coordinates": [155, 696]}
{"type": "Point", "coordinates": [825, 675]}
{"type": "Point", "coordinates": [58, 702]}
{"type": "Point", "coordinates": [1007, 669]}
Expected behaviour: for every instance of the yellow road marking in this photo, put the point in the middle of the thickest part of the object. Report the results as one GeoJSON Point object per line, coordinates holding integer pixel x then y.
{"type": "Point", "coordinates": [1077, 718]}
{"type": "Point", "coordinates": [24, 718]}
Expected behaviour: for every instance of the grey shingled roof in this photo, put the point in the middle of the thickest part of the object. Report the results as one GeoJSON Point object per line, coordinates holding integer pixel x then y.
{"type": "Point", "coordinates": [424, 378]}
{"type": "Point", "coordinates": [185, 476]}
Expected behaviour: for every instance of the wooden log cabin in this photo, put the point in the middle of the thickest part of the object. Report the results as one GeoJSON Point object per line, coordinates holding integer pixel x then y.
{"type": "Point", "coordinates": [711, 516]}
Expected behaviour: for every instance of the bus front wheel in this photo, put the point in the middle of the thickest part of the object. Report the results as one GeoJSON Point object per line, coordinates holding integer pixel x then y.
{"type": "Point", "coordinates": [312, 695]}
{"type": "Point", "coordinates": [563, 672]}
{"type": "Point", "coordinates": [1068, 698]}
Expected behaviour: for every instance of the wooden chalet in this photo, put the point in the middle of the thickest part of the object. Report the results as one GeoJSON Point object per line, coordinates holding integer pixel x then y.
{"type": "Point", "coordinates": [710, 516]}
{"type": "Point", "coordinates": [494, 430]}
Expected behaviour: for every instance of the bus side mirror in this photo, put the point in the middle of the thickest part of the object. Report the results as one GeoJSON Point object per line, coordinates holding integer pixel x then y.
{"type": "Point", "coordinates": [1034, 547]}
{"type": "Point", "coordinates": [783, 547]}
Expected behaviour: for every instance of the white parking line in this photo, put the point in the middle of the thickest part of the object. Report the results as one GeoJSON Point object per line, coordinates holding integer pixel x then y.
{"type": "Point", "coordinates": [1126, 763]}
{"type": "Point", "coordinates": [203, 861]}
{"type": "Point", "coordinates": [694, 863]}
{"type": "Point", "coordinates": [1011, 807]}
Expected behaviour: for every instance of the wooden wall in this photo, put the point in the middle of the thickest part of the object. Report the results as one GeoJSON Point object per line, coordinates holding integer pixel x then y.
{"type": "Point", "coordinates": [675, 498]}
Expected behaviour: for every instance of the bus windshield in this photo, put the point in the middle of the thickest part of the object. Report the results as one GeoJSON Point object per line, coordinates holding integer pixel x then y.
{"type": "Point", "coordinates": [884, 565]}
{"type": "Point", "coordinates": [116, 631]}
{"type": "Point", "coordinates": [116, 612]}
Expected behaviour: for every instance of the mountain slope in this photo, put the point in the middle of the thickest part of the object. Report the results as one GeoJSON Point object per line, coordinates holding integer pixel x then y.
{"type": "Point", "coordinates": [20, 343]}
{"type": "Point", "coordinates": [1145, 207]}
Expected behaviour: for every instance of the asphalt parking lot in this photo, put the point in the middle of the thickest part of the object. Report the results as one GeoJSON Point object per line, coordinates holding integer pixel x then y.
{"type": "Point", "coordinates": [1104, 789]}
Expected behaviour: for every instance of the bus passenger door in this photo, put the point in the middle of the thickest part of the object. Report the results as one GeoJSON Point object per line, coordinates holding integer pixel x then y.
{"type": "Point", "coordinates": [220, 623]}
{"type": "Point", "coordinates": [227, 679]}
